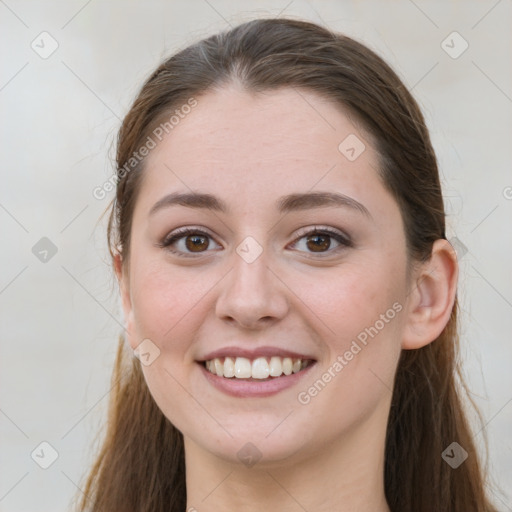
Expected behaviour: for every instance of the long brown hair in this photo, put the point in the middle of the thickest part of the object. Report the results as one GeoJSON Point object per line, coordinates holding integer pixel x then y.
{"type": "Point", "coordinates": [140, 466]}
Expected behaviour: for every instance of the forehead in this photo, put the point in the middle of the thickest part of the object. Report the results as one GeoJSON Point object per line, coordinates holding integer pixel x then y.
{"type": "Point", "coordinates": [251, 148]}
{"type": "Point", "coordinates": [286, 124]}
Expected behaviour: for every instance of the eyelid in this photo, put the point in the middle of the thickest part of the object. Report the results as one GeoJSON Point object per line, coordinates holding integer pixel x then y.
{"type": "Point", "coordinates": [186, 230]}
{"type": "Point", "coordinates": [344, 242]}
{"type": "Point", "coordinates": [324, 229]}
{"type": "Point", "coordinates": [180, 233]}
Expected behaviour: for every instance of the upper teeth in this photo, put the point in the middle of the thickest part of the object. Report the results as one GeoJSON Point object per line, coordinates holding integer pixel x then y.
{"type": "Point", "coordinates": [260, 368]}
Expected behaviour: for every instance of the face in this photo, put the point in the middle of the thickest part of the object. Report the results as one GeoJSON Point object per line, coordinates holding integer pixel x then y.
{"type": "Point", "coordinates": [276, 275]}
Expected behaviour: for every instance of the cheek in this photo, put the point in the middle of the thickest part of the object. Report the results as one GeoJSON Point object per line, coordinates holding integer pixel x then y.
{"type": "Point", "coordinates": [362, 309]}
{"type": "Point", "coordinates": [169, 309]}
{"type": "Point", "coordinates": [353, 299]}
{"type": "Point", "coordinates": [166, 302]}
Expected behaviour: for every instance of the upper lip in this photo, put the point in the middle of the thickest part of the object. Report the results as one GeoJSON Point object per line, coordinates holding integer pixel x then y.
{"type": "Point", "coordinates": [253, 353]}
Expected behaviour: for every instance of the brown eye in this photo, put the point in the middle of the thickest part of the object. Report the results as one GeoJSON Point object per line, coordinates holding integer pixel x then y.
{"type": "Point", "coordinates": [321, 241]}
{"type": "Point", "coordinates": [318, 243]}
{"type": "Point", "coordinates": [196, 243]}
{"type": "Point", "coordinates": [187, 242]}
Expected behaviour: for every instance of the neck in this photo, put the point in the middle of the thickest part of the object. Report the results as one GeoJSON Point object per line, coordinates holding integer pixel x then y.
{"type": "Point", "coordinates": [345, 477]}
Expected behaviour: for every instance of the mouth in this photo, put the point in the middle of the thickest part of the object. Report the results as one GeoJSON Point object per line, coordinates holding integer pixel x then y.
{"type": "Point", "coordinates": [256, 377]}
{"type": "Point", "coordinates": [260, 368]}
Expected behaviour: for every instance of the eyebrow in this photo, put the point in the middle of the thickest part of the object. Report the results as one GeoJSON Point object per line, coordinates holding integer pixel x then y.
{"type": "Point", "coordinates": [285, 204]}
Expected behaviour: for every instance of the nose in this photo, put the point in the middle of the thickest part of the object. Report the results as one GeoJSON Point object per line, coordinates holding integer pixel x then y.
{"type": "Point", "coordinates": [253, 296]}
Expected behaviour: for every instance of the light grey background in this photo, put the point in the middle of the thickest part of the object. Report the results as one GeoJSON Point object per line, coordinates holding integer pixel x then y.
{"type": "Point", "coordinates": [60, 319]}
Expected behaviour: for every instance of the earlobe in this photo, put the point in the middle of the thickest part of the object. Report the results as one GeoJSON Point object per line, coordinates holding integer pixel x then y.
{"type": "Point", "coordinates": [431, 297]}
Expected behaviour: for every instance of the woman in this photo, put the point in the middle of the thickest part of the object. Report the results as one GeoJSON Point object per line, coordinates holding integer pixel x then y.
{"type": "Point", "coordinates": [278, 234]}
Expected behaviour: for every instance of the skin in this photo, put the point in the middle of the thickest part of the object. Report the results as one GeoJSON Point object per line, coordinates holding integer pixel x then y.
{"type": "Point", "coordinates": [249, 150]}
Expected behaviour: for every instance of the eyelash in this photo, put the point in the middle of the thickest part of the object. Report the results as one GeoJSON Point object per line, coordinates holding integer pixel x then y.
{"type": "Point", "coordinates": [343, 240]}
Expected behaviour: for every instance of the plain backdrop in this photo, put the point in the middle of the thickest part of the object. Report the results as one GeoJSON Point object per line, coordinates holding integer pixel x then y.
{"type": "Point", "coordinates": [69, 72]}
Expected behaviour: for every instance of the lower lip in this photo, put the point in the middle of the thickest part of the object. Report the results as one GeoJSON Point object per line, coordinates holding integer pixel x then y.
{"type": "Point", "coordinates": [254, 388]}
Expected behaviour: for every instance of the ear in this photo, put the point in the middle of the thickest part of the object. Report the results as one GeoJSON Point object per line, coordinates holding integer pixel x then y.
{"type": "Point", "coordinates": [431, 297]}
{"type": "Point", "coordinates": [126, 301]}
